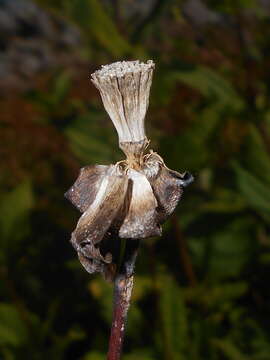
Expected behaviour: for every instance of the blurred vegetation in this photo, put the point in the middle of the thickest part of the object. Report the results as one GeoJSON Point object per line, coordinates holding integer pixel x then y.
{"type": "Point", "coordinates": [201, 290]}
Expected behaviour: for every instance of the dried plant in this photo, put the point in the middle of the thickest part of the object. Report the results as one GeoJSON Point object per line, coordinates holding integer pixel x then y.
{"type": "Point", "coordinates": [128, 201]}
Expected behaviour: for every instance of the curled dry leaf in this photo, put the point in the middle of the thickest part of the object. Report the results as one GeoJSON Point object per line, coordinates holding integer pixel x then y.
{"type": "Point", "coordinates": [132, 198]}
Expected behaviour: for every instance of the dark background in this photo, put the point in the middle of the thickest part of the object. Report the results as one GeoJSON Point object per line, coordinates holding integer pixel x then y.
{"type": "Point", "coordinates": [202, 290]}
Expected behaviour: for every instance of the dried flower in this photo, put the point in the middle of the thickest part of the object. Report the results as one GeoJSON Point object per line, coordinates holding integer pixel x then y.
{"type": "Point", "coordinates": [132, 198]}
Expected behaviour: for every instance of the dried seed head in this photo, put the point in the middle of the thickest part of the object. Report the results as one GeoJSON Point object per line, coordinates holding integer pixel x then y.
{"type": "Point", "coordinates": [132, 198]}
{"type": "Point", "coordinates": [124, 88]}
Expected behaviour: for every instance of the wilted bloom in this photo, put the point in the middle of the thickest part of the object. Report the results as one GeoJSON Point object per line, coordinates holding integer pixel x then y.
{"type": "Point", "coordinates": [132, 198]}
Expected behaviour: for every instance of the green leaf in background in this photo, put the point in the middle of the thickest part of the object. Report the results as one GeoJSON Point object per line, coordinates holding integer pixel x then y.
{"type": "Point", "coordinates": [139, 354]}
{"type": "Point", "coordinates": [92, 15]}
{"type": "Point", "coordinates": [193, 141]}
{"type": "Point", "coordinates": [172, 337]}
{"type": "Point", "coordinates": [228, 349]}
{"type": "Point", "coordinates": [233, 243]}
{"type": "Point", "coordinates": [12, 329]}
{"type": "Point", "coordinates": [91, 141]}
{"type": "Point", "coordinates": [94, 355]}
{"type": "Point", "coordinates": [216, 296]}
{"type": "Point", "coordinates": [259, 341]}
{"type": "Point", "coordinates": [103, 293]}
{"type": "Point", "coordinates": [210, 84]}
{"type": "Point", "coordinates": [255, 192]}
{"type": "Point", "coordinates": [14, 210]}
{"type": "Point", "coordinates": [224, 201]}
{"type": "Point", "coordinates": [228, 6]}
{"type": "Point", "coordinates": [257, 159]}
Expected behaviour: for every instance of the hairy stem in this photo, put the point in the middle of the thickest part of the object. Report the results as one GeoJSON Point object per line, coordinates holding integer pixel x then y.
{"type": "Point", "coordinates": [123, 285]}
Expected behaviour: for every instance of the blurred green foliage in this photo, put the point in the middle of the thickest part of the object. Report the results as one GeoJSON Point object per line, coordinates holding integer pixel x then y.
{"type": "Point", "coordinates": [201, 291]}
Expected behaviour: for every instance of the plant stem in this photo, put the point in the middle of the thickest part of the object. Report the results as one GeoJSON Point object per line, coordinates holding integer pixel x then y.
{"type": "Point", "coordinates": [123, 285]}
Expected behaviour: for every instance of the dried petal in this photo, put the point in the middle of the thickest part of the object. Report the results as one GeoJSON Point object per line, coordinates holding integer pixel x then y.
{"type": "Point", "coordinates": [141, 219]}
{"type": "Point", "coordinates": [94, 265]}
{"type": "Point", "coordinates": [167, 185]}
{"type": "Point", "coordinates": [91, 265]}
{"type": "Point", "coordinates": [95, 222]}
{"type": "Point", "coordinates": [84, 190]}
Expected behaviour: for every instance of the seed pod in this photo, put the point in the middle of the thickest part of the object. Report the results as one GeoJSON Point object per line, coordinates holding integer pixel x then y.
{"type": "Point", "coordinates": [124, 88]}
{"type": "Point", "coordinates": [132, 198]}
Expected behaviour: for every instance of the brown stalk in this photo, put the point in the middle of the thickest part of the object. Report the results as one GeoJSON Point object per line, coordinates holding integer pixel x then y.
{"type": "Point", "coordinates": [122, 293]}
{"type": "Point", "coordinates": [123, 285]}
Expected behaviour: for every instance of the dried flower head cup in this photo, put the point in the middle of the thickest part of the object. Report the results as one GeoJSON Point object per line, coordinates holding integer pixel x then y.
{"type": "Point", "coordinates": [132, 198]}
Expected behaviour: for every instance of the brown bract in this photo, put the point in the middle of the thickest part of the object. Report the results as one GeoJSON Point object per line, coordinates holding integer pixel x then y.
{"type": "Point", "coordinates": [131, 199]}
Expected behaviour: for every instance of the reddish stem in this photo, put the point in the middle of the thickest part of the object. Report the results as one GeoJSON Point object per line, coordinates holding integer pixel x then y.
{"type": "Point", "coordinates": [122, 294]}
{"type": "Point", "coordinates": [123, 285]}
